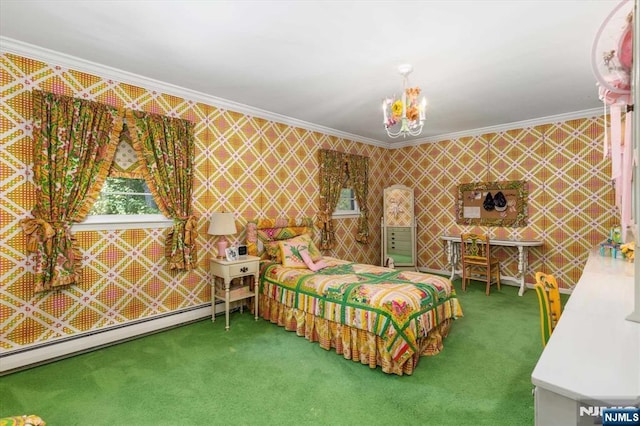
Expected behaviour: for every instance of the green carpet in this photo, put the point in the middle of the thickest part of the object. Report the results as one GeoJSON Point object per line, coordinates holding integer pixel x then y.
{"type": "Point", "coordinates": [257, 373]}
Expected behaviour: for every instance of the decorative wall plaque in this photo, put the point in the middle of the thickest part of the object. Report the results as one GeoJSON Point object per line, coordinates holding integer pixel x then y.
{"type": "Point", "coordinates": [493, 203]}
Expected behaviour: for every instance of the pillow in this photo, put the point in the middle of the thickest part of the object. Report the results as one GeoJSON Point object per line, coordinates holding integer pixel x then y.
{"type": "Point", "coordinates": [272, 251]}
{"type": "Point", "coordinates": [291, 257]}
{"type": "Point", "coordinates": [307, 241]}
{"type": "Point", "coordinates": [314, 266]}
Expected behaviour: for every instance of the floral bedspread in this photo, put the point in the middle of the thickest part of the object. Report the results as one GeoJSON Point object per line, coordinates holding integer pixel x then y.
{"type": "Point", "coordinates": [399, 306]}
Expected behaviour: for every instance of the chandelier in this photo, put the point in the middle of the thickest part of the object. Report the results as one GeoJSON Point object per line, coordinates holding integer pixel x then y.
{"type": "Point", "coordinates": [404, 116]}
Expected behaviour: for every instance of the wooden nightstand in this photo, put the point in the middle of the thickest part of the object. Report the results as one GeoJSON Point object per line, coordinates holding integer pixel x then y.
{"type": "Point", "coordinates": [247, 266]}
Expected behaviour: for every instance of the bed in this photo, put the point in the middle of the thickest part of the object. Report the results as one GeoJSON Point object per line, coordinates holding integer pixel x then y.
{"type": "Point", "coordinates": [370, 314]}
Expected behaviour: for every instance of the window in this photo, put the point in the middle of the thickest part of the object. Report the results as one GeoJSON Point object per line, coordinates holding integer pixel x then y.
{"type": "Point", "coordinates": [347, 204]}
{"type": "Point", "coordinates": [124, 196]}
{"type": "Point", "coordinates": [124, 203]}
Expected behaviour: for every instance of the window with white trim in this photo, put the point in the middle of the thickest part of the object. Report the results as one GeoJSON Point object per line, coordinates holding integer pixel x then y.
{"type": "Point", "coordinates": [124, 196]}
{"type": "Point", "coordinates": [347, 204]}
{"type": "Point", "coordinates": [125, 201]}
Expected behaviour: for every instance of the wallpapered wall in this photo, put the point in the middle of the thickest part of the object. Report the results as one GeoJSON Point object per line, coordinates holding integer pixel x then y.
{"type": "Point", "coordinates": [570, 200]}
{"type": "Point", "coordinates": [258, 168]}
{"type": "Point", "coordinates": [251, 167]}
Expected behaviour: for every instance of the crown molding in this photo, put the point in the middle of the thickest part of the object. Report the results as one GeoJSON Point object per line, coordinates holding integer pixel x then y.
{"type": "Point", "coordinates": [49, 56]}
{"type": "Point", "coordinates": [594, 112]}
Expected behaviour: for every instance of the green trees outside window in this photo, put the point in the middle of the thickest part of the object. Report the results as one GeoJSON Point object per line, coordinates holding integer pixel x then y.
{"type": "Point", "coordinates": [125, 196]}
{"type": "Point", "coordinates": [347, 201]}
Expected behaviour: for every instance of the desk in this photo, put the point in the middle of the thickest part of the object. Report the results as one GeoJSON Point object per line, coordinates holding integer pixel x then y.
{"type": "Point", "coordinates": [453, 256]}
{"type": "Point", "coordinates": [594, 352]}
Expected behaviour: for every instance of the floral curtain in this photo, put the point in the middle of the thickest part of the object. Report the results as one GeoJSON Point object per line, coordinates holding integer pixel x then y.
{"type": "Point", "coordinates": [359, 178]}
{"type": "Point", "coordinates": [166, 146]}
{"type": "Point", "coordinates": [74, 145]}
{"type": "Point", "coordinates": [335, 169]}
{"type": "Point", "coordinates": [332, 177]}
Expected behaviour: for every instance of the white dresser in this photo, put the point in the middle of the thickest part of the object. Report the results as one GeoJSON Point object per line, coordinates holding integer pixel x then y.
{"type": "Point", "coordinates": [594, 351]}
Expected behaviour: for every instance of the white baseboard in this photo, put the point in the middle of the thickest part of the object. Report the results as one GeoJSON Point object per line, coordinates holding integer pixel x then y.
{"type": "Point", "coordinates": [503, 279]}
{"type": "Point", "coordinates": [435, 271]}
{"type": "Point", "coordinates": [46, 352]}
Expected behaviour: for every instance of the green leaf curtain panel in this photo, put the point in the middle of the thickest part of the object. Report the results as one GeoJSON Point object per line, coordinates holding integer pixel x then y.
{"type": "Point", "coordinates": [74, 144]}
{"type": "Point", "coordinates": [335, 169]}
{"type": "Point", "coordinates": [165, 146]}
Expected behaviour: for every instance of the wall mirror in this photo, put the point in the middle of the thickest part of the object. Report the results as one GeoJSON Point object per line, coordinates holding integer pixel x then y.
{"type": "Point", "coordinates": [493, 203]}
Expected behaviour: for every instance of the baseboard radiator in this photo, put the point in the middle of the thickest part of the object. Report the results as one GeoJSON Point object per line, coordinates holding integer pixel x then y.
{"type": "Point", "coordinates": [19, 359]}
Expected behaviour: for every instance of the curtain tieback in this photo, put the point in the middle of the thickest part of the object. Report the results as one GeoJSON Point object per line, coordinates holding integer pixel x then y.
{"type": "Point", "coordinates": [38, 230]}
{"type": "Point", "coordinates": [190, 226]}
{"type": "Point", "coordinates": [191, 230]}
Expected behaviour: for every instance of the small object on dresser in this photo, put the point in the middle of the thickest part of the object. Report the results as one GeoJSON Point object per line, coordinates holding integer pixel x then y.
{"type": "Point", "coordinates": [615, 235]}
{"type": "Point", "coordinates": [611, 246]}
{"type": "Point", "coordinates": [232, 254]}
{"type": "Point", "coordinates": [628, 251]}
{"type": "Point", "coordinates": [242, 250]}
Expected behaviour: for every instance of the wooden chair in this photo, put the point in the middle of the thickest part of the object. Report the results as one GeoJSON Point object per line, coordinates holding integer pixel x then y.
{"type": "Point", "coordinates": [476, 256]}
{"type": "Point", "coordinates": [548, 282]}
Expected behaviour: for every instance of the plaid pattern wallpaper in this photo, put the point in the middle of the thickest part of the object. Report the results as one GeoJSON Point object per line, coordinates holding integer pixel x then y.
{"type": "Point", "coordinates": [570, 195]}
{"type": "Point", "coordinates": [258, 168]}
{"type": "Point", "coordinates": [252, 167]}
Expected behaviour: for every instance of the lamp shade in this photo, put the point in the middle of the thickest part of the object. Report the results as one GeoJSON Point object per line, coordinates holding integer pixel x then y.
{"type": "Point", "coordinates": [222, 224]}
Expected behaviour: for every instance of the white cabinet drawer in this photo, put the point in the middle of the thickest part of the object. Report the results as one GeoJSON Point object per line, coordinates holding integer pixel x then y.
{"type": "Point", "coordinates": [243, 269]}
{"type": "Point", "coordinates": [229, 270]}
{"type": "Point", "coordinates": [398, 231]}
{"type": "Point", "coordinates": [398, 245]}
{"type": "Point", "coordinates": [400, 239]}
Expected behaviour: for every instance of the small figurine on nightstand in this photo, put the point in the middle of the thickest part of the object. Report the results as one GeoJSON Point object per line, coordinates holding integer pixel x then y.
{"type": "Point", "coordinates": [613, 242]}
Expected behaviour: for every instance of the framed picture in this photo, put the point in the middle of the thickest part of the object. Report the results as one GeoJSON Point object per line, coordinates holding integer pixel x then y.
{"type": "Point", "coordinates": [232, 254]}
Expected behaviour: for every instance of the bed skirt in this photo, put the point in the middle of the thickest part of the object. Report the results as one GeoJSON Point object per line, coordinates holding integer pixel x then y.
{"type": "Point", "coordinates": [354, 344]}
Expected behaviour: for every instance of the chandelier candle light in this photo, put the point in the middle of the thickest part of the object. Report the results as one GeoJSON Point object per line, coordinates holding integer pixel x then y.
{"type": "Point", "coordinates": [407, 112]}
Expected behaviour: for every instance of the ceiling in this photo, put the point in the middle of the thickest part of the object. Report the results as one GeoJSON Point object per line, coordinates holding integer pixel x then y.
{"type": "Point", "coordinates": [330, 63]}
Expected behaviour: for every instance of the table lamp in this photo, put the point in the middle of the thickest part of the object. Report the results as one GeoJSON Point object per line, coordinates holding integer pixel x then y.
{"type": "Point", "coordinates": [222, 224]}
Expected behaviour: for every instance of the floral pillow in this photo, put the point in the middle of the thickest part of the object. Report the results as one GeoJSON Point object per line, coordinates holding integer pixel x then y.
{"type": "Point", "coordinates": [272, 251]}
{"type": "Point", "coordinates": [306, 240]}
{"type": "Point", "coordinates": [291, 257]}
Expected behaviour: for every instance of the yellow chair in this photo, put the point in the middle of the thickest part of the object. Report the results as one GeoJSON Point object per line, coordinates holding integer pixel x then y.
{"type": "Point", "coordinates": [545, 313]}
{"type": "Point", "coordinates": [548, 282]}
{"type": "Point", "coordinates": [476, 255]}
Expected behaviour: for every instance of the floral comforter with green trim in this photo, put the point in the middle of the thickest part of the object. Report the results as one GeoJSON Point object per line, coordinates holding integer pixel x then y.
{"type": "Point", "coordinates": [399, 306]}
